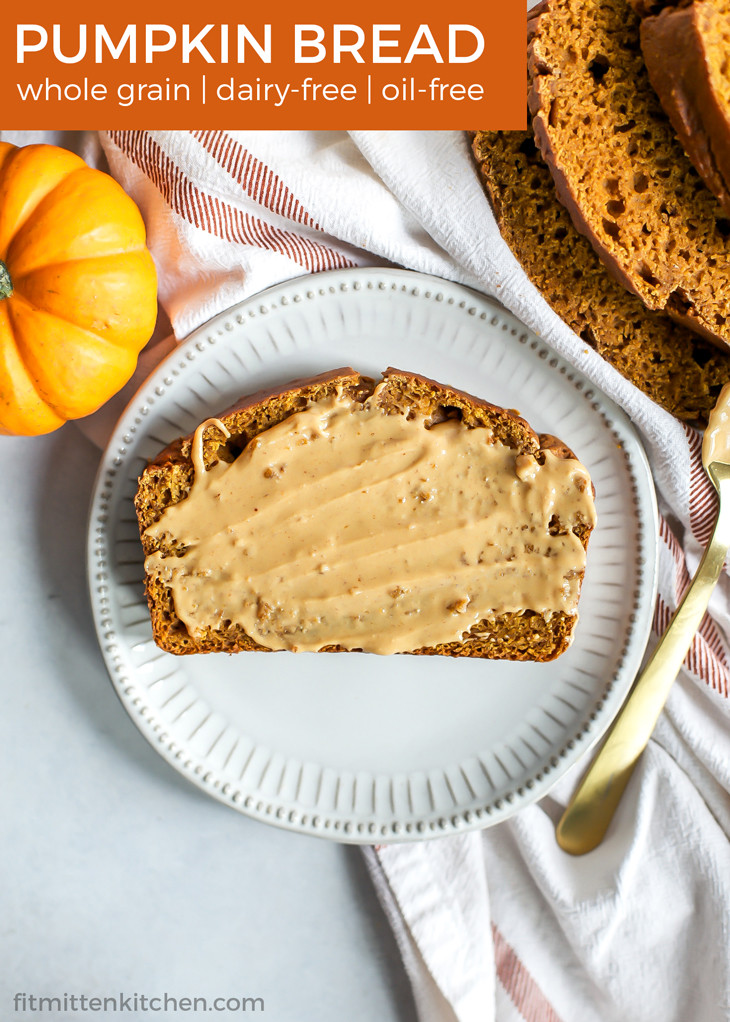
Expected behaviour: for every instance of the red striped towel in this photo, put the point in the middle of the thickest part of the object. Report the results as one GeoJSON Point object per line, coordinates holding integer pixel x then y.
{"type": "Point", "coordinates": [500, 924]}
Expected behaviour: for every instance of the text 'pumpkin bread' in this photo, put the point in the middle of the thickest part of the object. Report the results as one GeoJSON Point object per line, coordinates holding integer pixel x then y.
{"type": "Point", "coordinates": [687, 54]}
{"type": "Point", "coordinates": [618, 167]}
{"type": "Point", "coordinates": [339, 514]}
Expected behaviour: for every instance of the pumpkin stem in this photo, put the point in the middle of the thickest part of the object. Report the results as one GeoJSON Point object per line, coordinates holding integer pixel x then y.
{"type": "Point", "coordinates": [6, 284]}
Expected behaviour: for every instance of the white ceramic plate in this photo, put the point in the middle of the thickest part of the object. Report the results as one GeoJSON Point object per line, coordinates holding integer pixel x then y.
{"type": "Point", "coordinates": [357, 747]}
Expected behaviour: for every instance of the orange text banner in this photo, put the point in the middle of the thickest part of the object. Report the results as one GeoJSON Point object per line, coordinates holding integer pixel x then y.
{"type": "Point", "coordinates": [179, 65]}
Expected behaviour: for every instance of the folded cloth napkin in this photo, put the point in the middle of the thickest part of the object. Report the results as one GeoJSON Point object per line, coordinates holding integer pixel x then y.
{"type": "Point", "coordinates": [498, 924]}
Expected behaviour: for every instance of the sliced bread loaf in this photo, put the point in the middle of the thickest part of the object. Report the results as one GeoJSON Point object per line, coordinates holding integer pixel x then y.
{"type": "Point", "coordinates": [618, 167]}
{"type": "Point", "coordinates": [671, 364]}
{"type": "Point", "coordinates": [338, 514]}
{"type": "Point", "coordinates": [687, 54]}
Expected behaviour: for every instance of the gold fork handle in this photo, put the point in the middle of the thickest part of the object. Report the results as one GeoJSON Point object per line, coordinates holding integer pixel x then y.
{"type": "Point", "coordinates": [589, 812]}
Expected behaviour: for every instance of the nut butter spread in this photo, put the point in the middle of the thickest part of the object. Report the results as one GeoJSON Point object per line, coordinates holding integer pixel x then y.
{"type": "Point", "coordinates": [346, 525]}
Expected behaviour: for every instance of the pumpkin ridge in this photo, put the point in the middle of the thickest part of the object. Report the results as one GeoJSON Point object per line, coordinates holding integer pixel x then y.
{"type": "Point", "coordinates": [47, 197]}
{"type": "Point", "coordinates": [109, 253]}
{"type": "Point", "coordinates": [8, 338]}
{"type": "Point", "coordinates": [17, 281]}
{"type": "Point", "coordinates": [7, 161]}
{"type": "Point", "coordinates": [28, 356]}
{"type": "Point", "coordinates": [22, 284]}
{"type": "Point", "coordinates": [110, 192]}
{"type": "Point", "coordinates": [96, 338]}
{"type": "Point", "coordinates": [72, 322]}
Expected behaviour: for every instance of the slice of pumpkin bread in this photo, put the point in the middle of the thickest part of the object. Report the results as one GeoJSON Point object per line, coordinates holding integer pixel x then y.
{"type": "Point", "coordinates": [618, 166]}
{"type": "Point", "coordinates": [687, 54]}
{"type": "Point", "coordinates": [671, 364]}
{"type": "Point", "coordinates": [339, 515]}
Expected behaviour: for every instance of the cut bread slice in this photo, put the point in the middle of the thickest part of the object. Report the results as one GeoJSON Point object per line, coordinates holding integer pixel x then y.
{"type": "Point", "coordinates": [669, 363]}
{"type": "Point", "coordinates": [687, 54]}
{"type": "Point", "coordinates": [323, 455]}
{"type": "Point", "coordinates": [618, 167]}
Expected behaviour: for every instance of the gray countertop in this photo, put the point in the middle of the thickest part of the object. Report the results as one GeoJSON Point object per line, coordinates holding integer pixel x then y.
{"type": "Point", "coordinates": [120, 878]}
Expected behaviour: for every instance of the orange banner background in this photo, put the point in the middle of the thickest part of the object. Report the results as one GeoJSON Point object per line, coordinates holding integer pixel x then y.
{"type": "Point", "coordinates": [422, 94]}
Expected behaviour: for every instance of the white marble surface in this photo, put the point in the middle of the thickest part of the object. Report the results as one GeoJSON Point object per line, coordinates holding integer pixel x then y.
{"type": "Point", "coordinates": [118, 876]}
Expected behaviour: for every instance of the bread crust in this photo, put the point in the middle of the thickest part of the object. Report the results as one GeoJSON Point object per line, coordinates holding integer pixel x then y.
{"type": "Point", "coordinates": [677, 61]}
{"type": "Point", "coordinates": [179, 449]}
{"type": "Point", "coordinates": [167, 479]}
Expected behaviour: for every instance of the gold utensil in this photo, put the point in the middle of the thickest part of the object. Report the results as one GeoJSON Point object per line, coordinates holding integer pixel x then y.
{"type": "Point", "coordinates": [589, 812]}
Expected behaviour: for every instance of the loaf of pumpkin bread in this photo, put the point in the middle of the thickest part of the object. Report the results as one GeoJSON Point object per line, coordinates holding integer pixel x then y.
{"type": "Point", "coordinates": [618, 166]}
{"type": "Point", "coordinates": [662, 358]}
{"type": "Point", "coordinates": [338, 514]}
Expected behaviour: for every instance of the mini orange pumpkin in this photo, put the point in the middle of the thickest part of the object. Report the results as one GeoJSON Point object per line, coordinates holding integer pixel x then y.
{"type": "Point", "coordinates": [77, 288]}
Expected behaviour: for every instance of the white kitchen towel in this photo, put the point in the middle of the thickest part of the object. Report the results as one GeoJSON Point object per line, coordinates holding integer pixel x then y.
{"type": "Point", "coordinates": [499, 924]}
